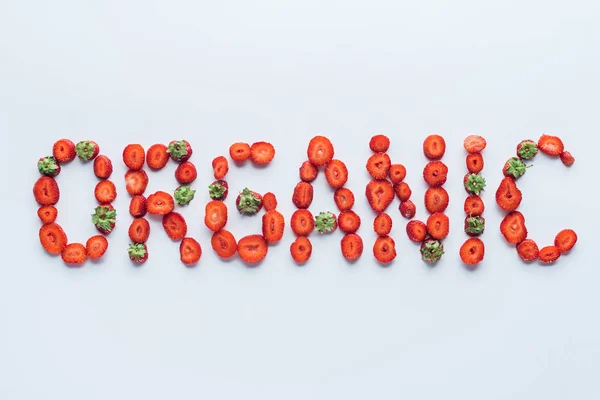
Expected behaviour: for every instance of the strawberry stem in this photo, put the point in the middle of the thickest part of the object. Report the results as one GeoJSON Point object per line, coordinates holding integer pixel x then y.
{"type": "Point", "coordinates": [183, 195]}
{"type": "Point", "coordinates": [325, 222]}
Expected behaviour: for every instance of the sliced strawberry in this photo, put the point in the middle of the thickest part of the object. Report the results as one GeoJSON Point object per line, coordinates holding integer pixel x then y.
{"type": "Point", "coordinates": [87, 150]}
{"type": "Point", "coordinates": [269, 201]}
{"type": "Point", "coordinates": [326, 222]}
{"type": "Point", "coordinates": [336, 174]}
{"type": "Point", "coordinates": [96, 246]}
{"type": "Point", "coordinates": [527, 149]}
{"type": "Point", "coordinates": [434, 147]}
{"type": "Point", "coordinates": [190, 251]}
{"type": "Point", "coordinates": [474, 225]}
{"type": "Point", "coordinates": [105, 192]}
{"type": "Point", "coordinates": [565, 240]}
{"type": "Point", "coordinates": [416, 231]}
{"type": "Point", "coordinates": [551, 145]}
{"type": "Point", "coordinates": [436, 199]}
{"type": "Point", "coordinates": [253, 248]}
{"type": "Point", "coordinates": [157, 156]}
{"type": "Point", "coordinates": [528, 250]}
{"type": "Point", "coordinates": [407, 209]}
{"type": "Point", "coordinates": [74, 254]}
{"type": "Point", "coordinates": [186, 172]}
{"type": "Point", "coordinates": [64, 151]}
{"type": "Point", "coordinates": [139, 230]}
{"type": "Point", "coordinates": [174, 225]}
{"type": "Point", "coordinates": [308, 172]}
{"type": "Point", "coordinates": [303, 195]}
{"type": "Point", "coordinates": [160, 203]}
{"type": "Point", "coordinates": [379, 193]}
{"type": "Point", "coordinates": [104, 218]}
{"type": "Point", "coordinates": [301, 250]}
{"type": "Point", "coordinates": [472, 251]}
{"type": "Point", "coordinates": [378, 165]}
{"type": "Point", "coordinates": [220, 167]}
{"type": "Point", "coordinates": [48, 166]}
{"type": "Point", "coordinates": [432, 251]}
{"type": "Point", "coordinates": [224, 244]}
{"type": "Point", "coordinates": [262, 153]}
{"type": "Point", "coordinates": [136, 182]}
{"type": "Point", "coordinates": [384, 249]}
{"type": "Point", "coordinates": [138, 253]}
{"type": "Point", "coordinates": [435, 173]}
{"type": "Point", "coordinates": [352, 246]}
{"type": "Point", "coordinates": [184, 195]}
{"type": "Point", "coordinates": [513, 227]}
{"type": "Point", "coordinates": [515, 168]}
{"type": "Point", "coordinates": [567, 158]}
{"type": "Point", "coordinates": [249, 202]}
{"type": "Point", "coordinates": [216, 215]}
{"type": "Point", "coordinates": [137, 206]}
{"type": "Point", "coordinates": [382, 224]}
{"type": "Point", "coordinates": [474, 143]}
{"type": "Point", "coordinates": [320, 151]}
{"type": "Point", "coordinates": [508, 195]}
{"type": "Point", "coordinates": [475, 163]}
{"type": "Point", "coordinates": [349, 221]}
{"type": "Point", "coordinates": [379, 143]}
{"type": "Point", "coordinates": [403, 191]}
{"type": "Point", "coordinates": [179, 150]}
{"type": "Point", "coordinates": [218, 190]}
{"type": "Point", "coordinates": [474, 183]}
{"type": "Point", "coordinates": [302, 222]}
{"type": "Point", "coordinates": [474, 205]}
{"type": "Point", "coordinates": [344, 199]}
{"type": "Point", "coordinates": [438, 225]}
{"type": "Point", "coordinates": [239, 152]}
{"type": "Point", "coordinates": [52, 238]}
{"type": "Point", "coordinates": [103, 167]}
{"type": "Point", "coordinates": [397, 173]}
{"type": "Point", "coordinates": [134, 156]}
{"type": "Point", "coordinates": [47, 214]}
{"type": "Point", "coordinates": [549, 254]}
{"type": "Point", "coordinates": [46, 192]}
{"type": "Point", "coordinates": [273, 226]}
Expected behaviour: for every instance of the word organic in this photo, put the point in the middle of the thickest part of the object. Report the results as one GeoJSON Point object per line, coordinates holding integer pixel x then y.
{"type": "Point", "coordinates": [387, 183]}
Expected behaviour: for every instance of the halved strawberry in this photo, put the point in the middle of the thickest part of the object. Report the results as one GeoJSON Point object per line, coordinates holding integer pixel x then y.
{"type": "Point", "coordinates": [336, 174]}
{"type": "Point", "coordinates": [320, 151]}
{"type": "Point", "coordinates": [190, 251]}
{"type": "Point", "coordinates": [134, 156]}
{"type": "Point", "coordinates": [514, 168]}
{"type": "Point", "coordinates": [174, 225]}
{"type": "Point", "coordinates": [352, 246]}
{"type": "Point", "coordinates": [273, 226]}
{"type": "Point", "coordinates": [270, 201]}
{"type": "Point", "coordinates": [565, 240]}
{"type": "Point", "coordinates": [262, 153]}
{"type": "Point", "coordinates": [186, 172]}
{"type": "Point", "coordinates": [160, 203]}
{"type": "Point", "coordinates": [513, 227]}
{"type": "Point", "coordinates": [103, 167]}
{"type": "Point", "coordinates": [96, 246]}
{"type": "Point", "coordinates": [551, 145]}
{"type": "Point", "coordinates": [239, 152]}
{"type": "Point", "coordinates": [508, 195]}
{"type": "Point", "coordinates": [384, 249]}
{"type": "Point", "coordinates": [52, 238]}
{"type": "Point", "coordinates": [303, 195]}
{"type": "Point", "coordinates": [47, 214]}
{"type": "Point", "coordinates": [104, 218]}
{"type": "Point", "coordinates": [349, 221]}
{"type": "Point", "coordinates": [184, 195]}
{"type": "Point", "coordinates": [74, 254]}
{"type": "Point", "coordinates": [302, 222]}
{"type": "Point", "coordinates": [249, 202]}
{"type": "Point", "coordinates": [157, 156]}
{"type": "Point", "coordinates": [136, 182]}
{"type": "Point", "coordinates": [87, 150]}
{"type": "Point", "coordinates": [220, 167]}
{"type": "Point", "coordinates": [138, 253]}
{"type": "Point", "coordinates": [218, 190]}
{"type": "Point", "coordinates": [223, 243]}
{"type": "Point", "coordinates": [549, 254]}
{"type": "Point", "coordinates": [436, 199]}
{"type": "Point", "coordinates": [397, 173]}
{"type": "Point", "coordinates": [474, 225]}
{"type": "Point", "coordinates": [253, 248]}
{"type": "Point", "coordinates": [216, 215]}
{"type": "Point", "coordinates": [382, 225]}
{"type": "Point", "coordinates": [64, 151]}
{"type": "Point", "coordinates": [137, 206]}
{"type": "Point", "coordinates": [434, 147]}
{"type": "Point", "coordinates": [527, 149]}
{"type": "Point", "coordinates": [438, 225]}
{"type": "Point", "coordinates": [379, 143]}
{"type": "Point", "coordinates": [379, 193]}
{"type": "Point", "coordinates": [472, 251]}
{"type": "Point", "coordinates": [344, 199]}
{"type": "Point", "coordinates": [528, 250]}
{"type": "Point", "coordinates": [45, 191]}
{"type": "Point", "coordinates": [105, 191]}
{"type": "Point", "coordinates": [474, 143]}
{"type": "Point", "coordinates": [326, 222]}
{"type": "Point", "coordinates": [474, 205]}
{"type": "Point", "coordinates": [432, 251]}
{"type": "Point", "coordinates": [378, 165]}
{"type": "Point", "coordinates": [567, 158]}
{"type": "Point", "coordinates": [403, 191]}
{"type": "Point", "coordinates": [416, 231]}
{"type": "Point", "coordinates": [435, 173]}
{"type": "Point", "coordinates": [308, 172]}
{"type": "Point", "coordinates": [407, 209]}
{"type": "Point", "coordinates": [179, 150]}
{"type": "Point", "coordinates": [474, 183]}
{"type": "Point", "coordinates": [301, 249]}
{"type": "Point", "coordinates": [475, 163]}
{"type": "Point", "coordinates": [139, 230]}
{"type": "Point", "coordinates": [48, 166]}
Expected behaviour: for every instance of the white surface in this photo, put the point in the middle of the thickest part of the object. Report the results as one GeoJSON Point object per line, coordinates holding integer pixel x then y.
{"type": "Point", "coordinates": [135, 71]}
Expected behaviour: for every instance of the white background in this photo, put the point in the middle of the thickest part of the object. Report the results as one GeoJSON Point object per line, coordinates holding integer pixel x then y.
{"type": "Point", "coordinates": [123, 72]}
